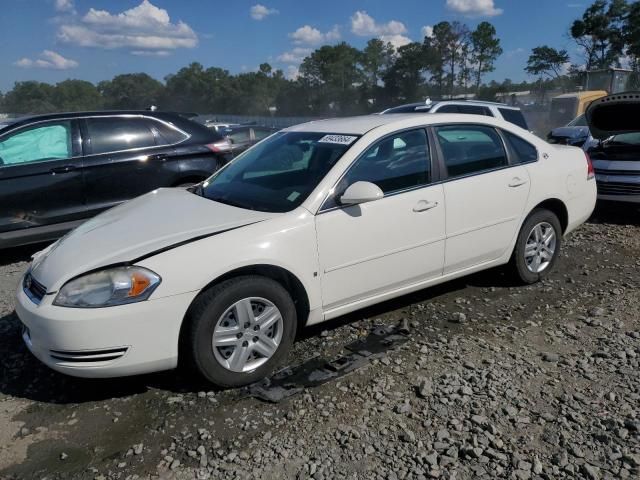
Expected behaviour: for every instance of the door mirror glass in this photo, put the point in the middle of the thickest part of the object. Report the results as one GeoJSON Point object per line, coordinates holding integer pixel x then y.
{"type": "Point", "coordinates": [361, 192]}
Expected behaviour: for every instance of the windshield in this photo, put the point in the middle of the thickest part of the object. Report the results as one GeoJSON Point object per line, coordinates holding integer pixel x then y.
{"type": "Point", "coordinates": [579, 121]}
{"type": "Point", "coordinates": [278, 174]}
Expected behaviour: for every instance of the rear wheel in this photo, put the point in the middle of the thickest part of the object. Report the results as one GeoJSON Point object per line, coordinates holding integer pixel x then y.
{"type": "Point", "coordinates": [240, 330]}
{"type": "Point", "coordinates": [537, 247]}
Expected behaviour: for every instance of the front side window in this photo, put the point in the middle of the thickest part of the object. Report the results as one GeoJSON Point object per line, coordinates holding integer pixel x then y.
{"type": "Point", "coordinates": [115, 134]}
{"type": "Point", "coordinates": [42, 142]}
{"type": "Point", "coordinates": [470, 149]}
{"type": "Point", "coordinates": [277, 175]}
{"type": "Point", "coordinates": [397, 162]}
{"type": "Point", "coordinates": [524, 151]}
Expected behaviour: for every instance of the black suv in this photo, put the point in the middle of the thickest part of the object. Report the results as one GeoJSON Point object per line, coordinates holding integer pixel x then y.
{"type": "Point", "coordinates": [57, 170]}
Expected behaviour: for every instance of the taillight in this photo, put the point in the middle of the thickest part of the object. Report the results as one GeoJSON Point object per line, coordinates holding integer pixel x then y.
{"type": "Point", "coordinates": [222, 146]}
{"type": "Point", "coordinates": [591, 174]}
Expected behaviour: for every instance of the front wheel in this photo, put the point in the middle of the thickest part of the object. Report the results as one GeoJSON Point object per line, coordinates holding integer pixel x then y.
{"type": "Point", "coordinates": [240, 330]}
{"type": "Point", "coordinates": [537, 246]}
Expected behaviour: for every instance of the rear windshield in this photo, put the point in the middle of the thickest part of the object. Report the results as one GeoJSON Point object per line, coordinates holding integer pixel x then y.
{"type": "Point", "coordinates": [514, 116]}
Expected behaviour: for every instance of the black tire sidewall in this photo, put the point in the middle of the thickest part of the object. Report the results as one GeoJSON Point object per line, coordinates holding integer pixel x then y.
{"type": "Point", "coordinates": [518, 261]}
{"type": "Point", "coordinates": [208, 308]}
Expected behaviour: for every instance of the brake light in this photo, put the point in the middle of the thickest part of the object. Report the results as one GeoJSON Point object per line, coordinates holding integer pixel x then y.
{"type": "Point", "coordinates": [220, 147]}
{"type": "Point", "coordinates": [591, 174]}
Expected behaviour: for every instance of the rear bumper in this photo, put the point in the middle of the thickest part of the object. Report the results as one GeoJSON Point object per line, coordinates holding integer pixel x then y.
{"type": "Point", "coordinates": [104, 342]}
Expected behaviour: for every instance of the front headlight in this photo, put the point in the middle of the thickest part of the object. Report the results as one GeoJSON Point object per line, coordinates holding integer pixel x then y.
{"type": "Point", "coordinates": [106, 288]}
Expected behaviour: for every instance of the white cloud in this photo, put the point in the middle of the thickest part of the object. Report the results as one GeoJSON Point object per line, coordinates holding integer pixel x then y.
{"type": "Point", "coordinates": [292, 72]}
{"type": "Point", "coordinates": [294, 56]}
{"type": "Point", "coordinates": [143, 28]}
{"type": "Point", "coordinates": [396, 40]}
{"type": "Point", "coordinates": [363, 25]}
{"type": "Point", "coordinates": [474, 8]}
{"type": "Point", "coordinates": [427, 31]}
{"type": "Point", "coordinates": [64, 6]}
{"type": "Point", "coordinates": [151, 53]}
{"type": "Point", "coordinates": [308, 35]}
{"type": "Point", "coordinates": [514, 52]}
{"type": "Point", "coordinates": [47, 59]}
{"type": "Point", "coordinates": [259, 11]}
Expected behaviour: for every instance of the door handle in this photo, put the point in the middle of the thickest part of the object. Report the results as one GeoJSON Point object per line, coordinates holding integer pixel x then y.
{"type": "Point", "coordinates": [516, 182]}
{"type": "Point", "coordinates": [63, 169]}
{"type": "Point", "coordinates": [160, 157]}
{"type": "Point", "coordinates": [424, 205]}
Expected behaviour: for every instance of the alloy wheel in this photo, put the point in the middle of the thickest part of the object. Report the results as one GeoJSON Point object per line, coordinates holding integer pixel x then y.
{"type": "Point", "coordinates": [540, 247]}
{"type": "Point", "coordinates": [247, 334]}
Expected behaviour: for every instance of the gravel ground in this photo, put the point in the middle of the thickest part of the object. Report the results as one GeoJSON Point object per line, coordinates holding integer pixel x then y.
{"type": "Point", "coordinates": [496, 381]}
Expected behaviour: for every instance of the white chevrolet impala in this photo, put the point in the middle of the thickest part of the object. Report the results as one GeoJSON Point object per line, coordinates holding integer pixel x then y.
{"type": "Point", "coordinates": [313, 222]}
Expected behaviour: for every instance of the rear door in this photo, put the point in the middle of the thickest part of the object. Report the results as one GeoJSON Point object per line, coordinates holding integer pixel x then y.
{"type": "Point", "coordinates": [485, 194]}
{"type": "Point", "coordinates": [41, 176]}
{"type": "Point", "coordinates": [125, 158]}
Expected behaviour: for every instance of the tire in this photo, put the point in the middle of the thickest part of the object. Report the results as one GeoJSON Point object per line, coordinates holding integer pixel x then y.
{"type": "Point", "coordinates": [218, 311]}
{"type": "Point", "coordinates": [523, 263]}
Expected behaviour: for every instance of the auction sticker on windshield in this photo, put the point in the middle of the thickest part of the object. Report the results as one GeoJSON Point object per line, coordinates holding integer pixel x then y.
{"type": "Point", "coordinates": [340, 139]}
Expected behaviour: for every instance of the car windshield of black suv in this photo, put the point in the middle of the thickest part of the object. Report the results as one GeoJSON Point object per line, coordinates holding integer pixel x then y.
{"type": "Point", "coordinates": [279, 173]}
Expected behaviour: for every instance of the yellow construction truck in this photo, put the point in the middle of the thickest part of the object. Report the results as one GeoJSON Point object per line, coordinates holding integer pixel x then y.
{"type": "Point", "coordinates": [597, 84]}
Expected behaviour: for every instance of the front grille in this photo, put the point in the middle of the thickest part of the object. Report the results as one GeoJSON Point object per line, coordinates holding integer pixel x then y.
{"type": "Point", "coordinates": [34, 289]}
{"type": "Point", "coordinates": [88, 356]}
{"type": "Point", "coordinates": [616, 188]}
{"type": "Point", "coordinates": [631, 173]}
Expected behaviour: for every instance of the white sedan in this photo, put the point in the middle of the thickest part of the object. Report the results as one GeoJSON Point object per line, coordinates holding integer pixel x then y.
{"type": "Point", "coordinates": [313, 222]}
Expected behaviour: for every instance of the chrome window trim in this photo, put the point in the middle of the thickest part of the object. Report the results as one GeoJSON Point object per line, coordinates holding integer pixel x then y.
{"type": "Point", "coordinates": [187, 136]}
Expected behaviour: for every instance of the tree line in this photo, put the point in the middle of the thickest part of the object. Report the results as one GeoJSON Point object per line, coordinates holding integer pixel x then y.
{"type": "Point", "coordinates": [342, 80]}
{"type": "Point", "coordinates": [607, 35]}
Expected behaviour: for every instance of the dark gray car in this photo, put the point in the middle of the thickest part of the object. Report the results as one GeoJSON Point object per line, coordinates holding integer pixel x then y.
{"type": "Point", "coordinates": [614, 122]}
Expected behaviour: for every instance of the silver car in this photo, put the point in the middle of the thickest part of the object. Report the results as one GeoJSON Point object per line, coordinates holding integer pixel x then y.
{"type": "Point", "coordinates": [614, 122]}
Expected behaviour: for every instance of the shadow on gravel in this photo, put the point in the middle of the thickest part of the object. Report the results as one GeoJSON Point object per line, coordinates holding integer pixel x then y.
{"type": "Point", "coordinates": [616, 213]}
{"type": "Point", "coordinates": [23, 376]}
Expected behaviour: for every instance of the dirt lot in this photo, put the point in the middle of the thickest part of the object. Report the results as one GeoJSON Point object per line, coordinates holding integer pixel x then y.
{"type": "Point", "coordinates": [495, 381]}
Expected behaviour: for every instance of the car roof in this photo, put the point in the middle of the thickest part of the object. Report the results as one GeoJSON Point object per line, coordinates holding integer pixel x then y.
{"type": "Point", "coordinates": [100, 113]}
{"type": "Point", "coordinates": [350, 125]}
{"type": "Point", "coordinates": [362, 124]}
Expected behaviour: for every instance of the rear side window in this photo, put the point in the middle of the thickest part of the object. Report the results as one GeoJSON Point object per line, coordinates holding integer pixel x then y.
{"type": "Point", "coordinates": [524, 151]}
{"type": "Point", "coordinates": [474, 110]}
{"type": "Point", "coordinates": [514, 116]}
{"type": "Point", "coordinates": [114, 134]}
{"type": "Point", "coordinates": [165, 134]}
{"type": "Point", "coordinates": [470, 149]}
{"type": "Point", "coordinates": [448, 109]}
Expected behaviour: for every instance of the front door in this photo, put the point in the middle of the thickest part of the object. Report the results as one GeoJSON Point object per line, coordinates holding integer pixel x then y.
{"type": "Point", "coordinates": [40, 177]}
{"type": "Point", "coordinates": [486, 195]}
{"type": "Point", "coordinates": [389, 243]}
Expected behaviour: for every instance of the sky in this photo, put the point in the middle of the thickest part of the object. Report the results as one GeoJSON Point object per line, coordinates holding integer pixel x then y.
{"type": "Point", "coordinates": [52, 40]}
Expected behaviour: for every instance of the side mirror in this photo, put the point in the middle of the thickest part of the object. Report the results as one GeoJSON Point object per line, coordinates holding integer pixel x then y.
{"type": "Point", "coordinates": [361, 192]}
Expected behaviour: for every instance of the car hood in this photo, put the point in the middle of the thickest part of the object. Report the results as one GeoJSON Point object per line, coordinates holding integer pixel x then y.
{"type": "Point", "coordinates": [614, 114]}
{"type": "Point", "coordinates": [154, 222]}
